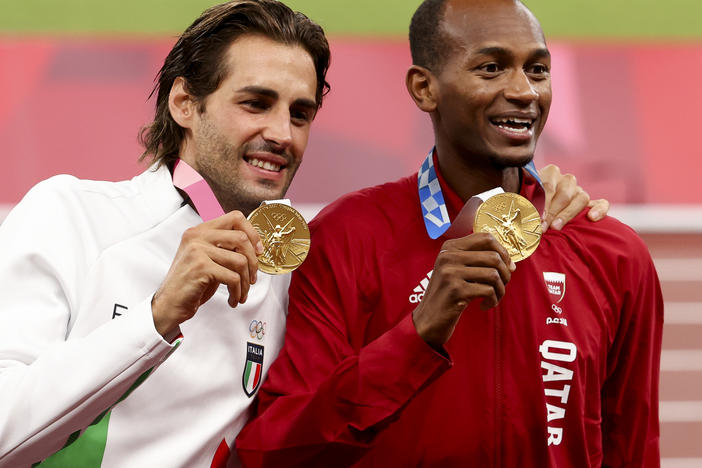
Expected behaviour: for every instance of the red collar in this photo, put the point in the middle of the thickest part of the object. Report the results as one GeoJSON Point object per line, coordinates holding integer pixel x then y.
{"type": "Point", "coordinates": [454, 203]}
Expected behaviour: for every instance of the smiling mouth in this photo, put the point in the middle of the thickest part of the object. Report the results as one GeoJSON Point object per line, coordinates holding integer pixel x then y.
{"type": "Point", "coordinates": [514, 124]}
{"type": "Point", "coordinates": [266, 165]}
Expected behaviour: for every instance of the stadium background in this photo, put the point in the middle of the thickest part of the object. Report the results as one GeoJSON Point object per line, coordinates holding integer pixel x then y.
{"type": "Point", "coordinates": [75, 76]}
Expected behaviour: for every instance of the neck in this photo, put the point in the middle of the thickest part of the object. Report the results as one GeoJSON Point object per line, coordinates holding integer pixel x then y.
{"type": "Point", "coordinates": [470, 176]}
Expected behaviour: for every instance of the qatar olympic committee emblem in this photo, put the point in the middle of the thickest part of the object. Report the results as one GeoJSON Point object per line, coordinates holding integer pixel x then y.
{"type": "Point", "coordinates": [253, 369]}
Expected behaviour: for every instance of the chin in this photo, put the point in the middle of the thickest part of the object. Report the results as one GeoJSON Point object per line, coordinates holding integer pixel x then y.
{"type": "Point", "coordinates": [255, 200]}
{"type": "Point", "coordinates": [519, 160]}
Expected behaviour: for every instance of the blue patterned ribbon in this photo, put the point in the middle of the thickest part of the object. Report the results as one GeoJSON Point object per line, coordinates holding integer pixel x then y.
{"type": "Point", "coordinates": [436, 218]}
{"type": "Point", "coordinates": [431, 198]}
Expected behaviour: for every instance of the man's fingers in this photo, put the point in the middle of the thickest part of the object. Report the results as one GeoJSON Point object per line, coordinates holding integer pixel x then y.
{"type": "Point", "coordinates": [480, 277]}
{"type": "Point", "coordinates": [563, 194]}
{"type": "Point", "coordinates": [484, 267]}
{"type": "Point", "coordinates": [490, 293]}
{"type": "Point", "coordinates": [574, 206]}
{"type": "Point", "coordinates": [474, 243]}
{"type": "Point", "coordinates": [235, 220]}
{"type": "Point", "coordinates": [495, 246]}
{"type": "Point", "coordinates": [598, 209]}
{"type": "Point", "coordinates": [236, 241]}
{"type": "Point", "coordinates": [468, 275]}
{"type": "Point", "coordinates": [243, 224]}
{"type": "Point", "coordinates": [550, 175]}
{"type": "Point", "coordinates": [232, 280]}
{"type": "Point", "coordinates": [479, 241]}
{"type": "Point", "coordinates": [236, 263]}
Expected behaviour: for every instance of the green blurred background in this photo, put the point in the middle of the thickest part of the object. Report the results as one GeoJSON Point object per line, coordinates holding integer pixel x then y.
{"type": "Point", "coordinates": [600, 19]}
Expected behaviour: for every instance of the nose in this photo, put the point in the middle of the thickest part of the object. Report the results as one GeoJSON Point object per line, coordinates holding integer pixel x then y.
{"type": "Point", "coordinates": [520, 88]}
{"type": "Point", "coordinates": [278, 129]}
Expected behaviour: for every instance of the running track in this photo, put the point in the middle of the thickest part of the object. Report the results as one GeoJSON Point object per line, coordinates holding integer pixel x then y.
{"type": "Point", "coordinates": [678, 259]}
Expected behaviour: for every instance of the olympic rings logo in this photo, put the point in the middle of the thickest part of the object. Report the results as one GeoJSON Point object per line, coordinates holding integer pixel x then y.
{"type": "Point", "coordinates": [556, 309]}
{"type": "Point", "coordinates": [257, 329]}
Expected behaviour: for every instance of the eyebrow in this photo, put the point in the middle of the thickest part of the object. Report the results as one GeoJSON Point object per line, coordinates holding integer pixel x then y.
{"type": "Point", "coordinates": [537, 53]}
{"type": "Point", "coordinates": [270, 93]}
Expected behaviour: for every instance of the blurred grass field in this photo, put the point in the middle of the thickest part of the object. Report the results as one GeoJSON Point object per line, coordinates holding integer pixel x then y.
{"type": "Point", "coordinates": [601, 19]}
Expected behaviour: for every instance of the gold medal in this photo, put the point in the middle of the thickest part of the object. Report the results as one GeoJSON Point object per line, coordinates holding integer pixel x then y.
{"type": "Point", "coordinates": [514, 222]}
{"type": "Point", "coordinates": [285, 237]}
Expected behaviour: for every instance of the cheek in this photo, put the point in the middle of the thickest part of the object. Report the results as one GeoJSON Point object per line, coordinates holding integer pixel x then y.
{"type": "Point", "coordinates": [240, 126]}
{"type": "Point", "coordinates": [301, 136]}
{"type": "Point", "coordinates": [471, 108]}
{"type": "Point", "coordinates": [545, 104]}
{"type": "Point", "coordinates": [545, 95]}
{"type": "Point", "coordinates": [473, 100]}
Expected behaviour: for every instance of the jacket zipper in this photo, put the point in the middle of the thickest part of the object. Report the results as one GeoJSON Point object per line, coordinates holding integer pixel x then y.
{"type": "Point", "coordinates": [498, 388]}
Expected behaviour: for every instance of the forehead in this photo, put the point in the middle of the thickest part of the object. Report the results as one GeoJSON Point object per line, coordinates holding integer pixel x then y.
{"type": "Point", "coordinates": [474, 24]}
{"type": "Point", "coordinates": [255, 60]}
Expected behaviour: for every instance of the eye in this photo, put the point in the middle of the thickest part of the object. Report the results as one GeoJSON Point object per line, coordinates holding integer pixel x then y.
{"type": "Point", "coordinates": [255, 104]}
{"type": "Point", "coordinates": [301, 117]}
{"type": "Point", "coordinates": [490, 69]}
{"type": "Point", "coordinates": [538, 70]}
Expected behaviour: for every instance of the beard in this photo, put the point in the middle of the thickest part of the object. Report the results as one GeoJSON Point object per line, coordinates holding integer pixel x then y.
{"type": "Point", "coordinates": [221, 163]}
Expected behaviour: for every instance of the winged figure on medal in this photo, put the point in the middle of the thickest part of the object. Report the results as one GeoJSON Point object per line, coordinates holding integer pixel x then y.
{"type": "Point", "coordinates": [508, 229]}
{"type": "Point", "coordinates": [280, 242]}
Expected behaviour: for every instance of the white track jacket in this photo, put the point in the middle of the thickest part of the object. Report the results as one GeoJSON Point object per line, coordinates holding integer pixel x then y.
{"type": "Point", "coordinates": [83, 371]}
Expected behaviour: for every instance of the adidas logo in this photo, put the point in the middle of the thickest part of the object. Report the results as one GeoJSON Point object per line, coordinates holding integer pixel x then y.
{"type": "Point", "coordinates": [418, 294]}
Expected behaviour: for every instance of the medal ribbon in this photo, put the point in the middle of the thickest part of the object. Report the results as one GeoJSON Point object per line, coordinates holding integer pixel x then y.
{"type": "Point", "coordinates": [431, 198]}
{"type": "Point", "coordinates": [435, 212]}
{"type": "Point", "coordinates": [189, 181]}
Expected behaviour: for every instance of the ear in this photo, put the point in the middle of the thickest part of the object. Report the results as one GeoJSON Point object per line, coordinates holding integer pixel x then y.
{"type": "Point", "coordinates": [421, 84]}
{"type": "Point", "coordinates": [181, 104]}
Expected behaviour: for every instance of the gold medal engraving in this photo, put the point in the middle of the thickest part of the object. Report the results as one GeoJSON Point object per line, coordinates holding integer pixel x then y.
{"type": "Point", "coordinates": [514, 222]}
{"type": "Point", "coordinates": [285, 237]}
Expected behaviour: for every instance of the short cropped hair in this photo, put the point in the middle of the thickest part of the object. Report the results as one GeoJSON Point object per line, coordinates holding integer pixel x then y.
{"type": "Point", "coordinates": [428, 41]}
{"type": "Point", "coordinates": [429, 44]}
{"type": "Point", "coordinates": [198, 57]}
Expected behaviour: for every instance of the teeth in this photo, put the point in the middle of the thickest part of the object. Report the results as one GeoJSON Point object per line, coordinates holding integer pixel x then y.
{"type": "Point", "coordinates": [269, 166]}
{"type": "Point", "coordinates": [515, 124]}
{"type": "Point", "coordinates": [514, 119]}
{"type": "Point", "coordinates": [515, 129]}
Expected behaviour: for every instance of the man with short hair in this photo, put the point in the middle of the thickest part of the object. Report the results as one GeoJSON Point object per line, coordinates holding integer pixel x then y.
{"type": "Point", "coordinates": [411, 342]}
{"type": "Point", "coordinates": [99, 279]}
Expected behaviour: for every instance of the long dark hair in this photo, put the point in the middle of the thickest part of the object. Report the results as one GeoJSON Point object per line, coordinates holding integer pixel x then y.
{"type": "Point", "coordinates": [198, 57]}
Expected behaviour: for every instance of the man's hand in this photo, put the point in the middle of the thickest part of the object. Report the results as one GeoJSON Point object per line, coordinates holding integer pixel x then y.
{"type": "Point", "coordinates": [565, 199]}
{"type": "Point", "coordinates": [466, 269]}
{"type": "Point", "coordinates": [220, 251]}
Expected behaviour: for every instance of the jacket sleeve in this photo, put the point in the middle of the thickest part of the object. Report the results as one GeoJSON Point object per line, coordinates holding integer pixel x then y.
{"type": "Point", "coordinates": [330, 392]}
{"type": "Point", "coordinates": [630, 427]}
{"type": "Point", "coordinates": [52, 387]}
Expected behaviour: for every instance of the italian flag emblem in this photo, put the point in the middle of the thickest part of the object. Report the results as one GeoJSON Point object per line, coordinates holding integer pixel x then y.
{"type": "Point", "coordinates": [253, 369]}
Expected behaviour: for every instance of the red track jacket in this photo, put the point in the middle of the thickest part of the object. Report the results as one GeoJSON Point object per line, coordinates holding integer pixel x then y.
{"type": "Point", "coordinates": [564, 372]}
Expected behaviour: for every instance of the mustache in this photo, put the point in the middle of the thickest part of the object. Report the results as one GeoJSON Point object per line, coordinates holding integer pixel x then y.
{"type": "Point", "coordinates": [264, 147]}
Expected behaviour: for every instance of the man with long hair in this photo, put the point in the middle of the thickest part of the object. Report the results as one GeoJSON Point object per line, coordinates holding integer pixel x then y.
{"type": "Point", "coordinates": [102, 281]}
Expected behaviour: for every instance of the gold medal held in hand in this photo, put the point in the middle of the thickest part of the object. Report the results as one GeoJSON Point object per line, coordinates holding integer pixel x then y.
{"type": "Point", "coordinates": [514, 222]}
{"type": "Point", "coordinates": [285, 237]}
